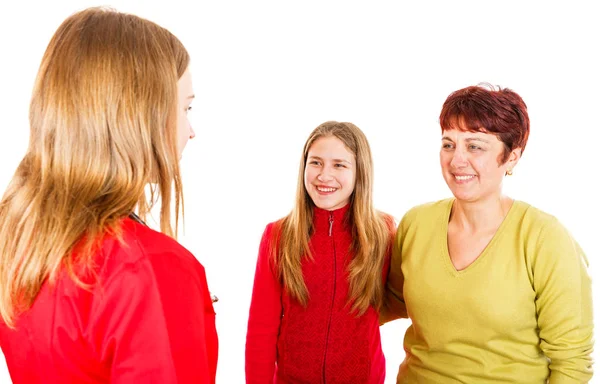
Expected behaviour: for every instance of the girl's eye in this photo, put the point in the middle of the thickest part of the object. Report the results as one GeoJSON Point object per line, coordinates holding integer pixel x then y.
{"type": "Point", "coordinates": [340, 165]}
{"type": "Point", "coordinates": [314, 162]}
{"type": "Point", "coordinates": [189, 108]}
{"type": "Point", "coordinates": [447, 146]}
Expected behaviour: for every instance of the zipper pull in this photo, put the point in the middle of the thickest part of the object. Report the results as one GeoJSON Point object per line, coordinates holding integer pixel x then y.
{"type": "Point", "coordinates": [330, 222]}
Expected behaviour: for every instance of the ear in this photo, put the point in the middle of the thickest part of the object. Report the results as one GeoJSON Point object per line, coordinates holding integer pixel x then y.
{"type": "Point", "coordinates": [513, 159]}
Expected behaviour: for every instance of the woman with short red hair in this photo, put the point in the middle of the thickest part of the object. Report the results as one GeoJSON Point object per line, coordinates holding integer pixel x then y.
{"type": "Point", "coordinates": [497, 290]}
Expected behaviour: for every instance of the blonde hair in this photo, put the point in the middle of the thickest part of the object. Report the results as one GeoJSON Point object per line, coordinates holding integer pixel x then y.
{"type": "Point", "coordinates": [102, 127]}
{"type": "Point", "coordinates": [371, 230]}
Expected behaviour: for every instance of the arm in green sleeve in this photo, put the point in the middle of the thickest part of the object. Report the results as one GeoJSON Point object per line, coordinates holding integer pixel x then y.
{"type": "Point", "coordinates": [564, 305]}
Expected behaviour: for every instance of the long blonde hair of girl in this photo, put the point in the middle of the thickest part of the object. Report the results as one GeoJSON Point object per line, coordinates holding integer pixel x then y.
{"type": "Point", "coordinates": [370, 228]}
{"type": "Point", "coordinates": [102, 128]}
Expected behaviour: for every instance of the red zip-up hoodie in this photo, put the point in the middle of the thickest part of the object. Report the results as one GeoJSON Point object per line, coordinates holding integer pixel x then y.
{"type": "Point", "coordinates": [323, 342]}
{"type": "Point", "coordinates": [149, 319]}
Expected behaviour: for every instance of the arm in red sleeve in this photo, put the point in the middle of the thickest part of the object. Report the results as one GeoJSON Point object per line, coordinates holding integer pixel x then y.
{"type": "Point", "coordinates": [153, 322]}
{"type": "Point", "coordinates": [265, 317]}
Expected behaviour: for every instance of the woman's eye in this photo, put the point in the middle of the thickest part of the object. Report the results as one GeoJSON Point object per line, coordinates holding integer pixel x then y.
{"type": "Point", "coordinates": [189, 108]}
{"type": "Point", "coordinates": [474, 147]}
{"type": "Point", "coordinates": [447, 146]}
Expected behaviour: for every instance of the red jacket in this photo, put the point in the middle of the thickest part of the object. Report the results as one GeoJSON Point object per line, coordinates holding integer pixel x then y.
{"type": "Point", "coordinates": [149, 319]}
{"type": "Point", "coordinates": [324, 342]}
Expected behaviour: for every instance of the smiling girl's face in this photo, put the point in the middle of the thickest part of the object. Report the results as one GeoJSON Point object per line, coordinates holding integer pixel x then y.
{"type": "Point", "coordinates": [330, 173]}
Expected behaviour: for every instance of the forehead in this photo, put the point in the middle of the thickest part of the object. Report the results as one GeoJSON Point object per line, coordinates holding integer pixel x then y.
{"type": "Point", "coordinates": [184, 84]}
{"type": "Point", "coordinates": [455, 134]}
{"type": "Point", "coordinates": [329, 147]}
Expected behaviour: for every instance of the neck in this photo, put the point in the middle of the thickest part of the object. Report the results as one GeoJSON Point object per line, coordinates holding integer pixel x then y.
{"type": "Point", "coordinates": [480, 216]}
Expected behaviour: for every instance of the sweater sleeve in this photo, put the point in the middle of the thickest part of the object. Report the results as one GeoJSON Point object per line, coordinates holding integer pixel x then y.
{"type": "Point", "coordinates": [154, 325]}
{"type": "Point", "coordinates": [264, 318]}
{"type": "Point", "coordinates": [564, 305]}
{"type": "Point", "coordinates": [394, 306]}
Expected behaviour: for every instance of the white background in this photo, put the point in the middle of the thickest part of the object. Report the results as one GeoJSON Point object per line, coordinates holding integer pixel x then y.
{"type": "Point", "coordinates": [267, 73]}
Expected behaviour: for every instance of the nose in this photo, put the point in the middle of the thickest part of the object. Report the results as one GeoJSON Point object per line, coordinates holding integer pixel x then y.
{"type": "Point", "coordinates": [325, 175]}
{"type": "Point", "coordinates": [459, 159]}
{"type": "Point", "coordinates": [192, 133]}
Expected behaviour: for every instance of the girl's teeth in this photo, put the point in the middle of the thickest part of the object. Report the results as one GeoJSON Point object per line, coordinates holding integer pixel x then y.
{"type": "Point", "coordinates": [326, 189]}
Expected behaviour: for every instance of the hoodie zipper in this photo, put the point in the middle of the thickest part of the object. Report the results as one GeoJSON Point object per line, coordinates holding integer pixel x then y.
{"type": "Point", "coordinates": [333, 296]}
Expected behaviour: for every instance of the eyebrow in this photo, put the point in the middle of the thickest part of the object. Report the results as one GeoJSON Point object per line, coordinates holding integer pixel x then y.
{"type": "Point", "coordinates": [334, 160]}
{"type": "Point", "coordinates": [469, 139]}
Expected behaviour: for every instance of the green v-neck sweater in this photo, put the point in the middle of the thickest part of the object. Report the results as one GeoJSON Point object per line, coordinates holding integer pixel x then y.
{"type": "Point", "coordinates": [520, 313]}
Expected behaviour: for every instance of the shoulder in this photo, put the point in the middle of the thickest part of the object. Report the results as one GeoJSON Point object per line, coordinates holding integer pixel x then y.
{"type": "Point", "coordinates": [548, 245]}
{"type": "Point", "coordinates": [546, 239]}
{"type": "Point", "coordinates": [385, 217]}
{"type": "Point", "coordinates": [270, 238]}
{"type": "Point", "coordinates": [272, 230]}
{"type": "Point", "coordinates": [426, 213]}
{"type": "Point", "coordinates": [387, 221]}
{"type": "Point", "coordinates": [139, 244]}
{"type": "Point", "coordinates": [538, 223]}
{"type": "Point", "coordinates": [273, 226]}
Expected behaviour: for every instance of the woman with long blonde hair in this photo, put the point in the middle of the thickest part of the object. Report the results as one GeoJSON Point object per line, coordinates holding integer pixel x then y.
{"type": "Point", "coordinates": [319, 275]}
{"type": "Point", "coordinates": [88, 293]}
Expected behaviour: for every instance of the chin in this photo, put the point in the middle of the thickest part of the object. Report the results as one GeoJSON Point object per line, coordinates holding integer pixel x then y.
{"type": "Point", "coordinates": [463, 195]}
{"type": "Point", "coordinates": [467, 198]}
{"type": "Point", "coordinates": [328, 206]}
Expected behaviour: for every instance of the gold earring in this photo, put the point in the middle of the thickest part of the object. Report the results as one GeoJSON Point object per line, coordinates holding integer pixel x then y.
{"type": "Point", "coordinates": [509, 172]}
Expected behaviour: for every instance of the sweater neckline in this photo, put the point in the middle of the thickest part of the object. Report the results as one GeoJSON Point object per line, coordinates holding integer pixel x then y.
{"type": "Point", "coordinates": [489, 248]}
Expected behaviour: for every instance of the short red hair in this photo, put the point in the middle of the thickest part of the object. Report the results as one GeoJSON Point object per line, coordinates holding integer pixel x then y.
{"type": "Point", "coordinates": [483, 108]}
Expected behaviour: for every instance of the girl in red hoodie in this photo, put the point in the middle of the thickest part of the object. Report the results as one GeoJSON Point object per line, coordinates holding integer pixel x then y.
{"type": "Point", "coordinates": [319, 276]}
{"type": "Point", "coordinates": [88, 293]}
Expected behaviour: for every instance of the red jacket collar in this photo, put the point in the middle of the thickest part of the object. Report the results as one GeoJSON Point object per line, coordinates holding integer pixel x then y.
{"type": "Point", "coordinates": [337, 219]}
